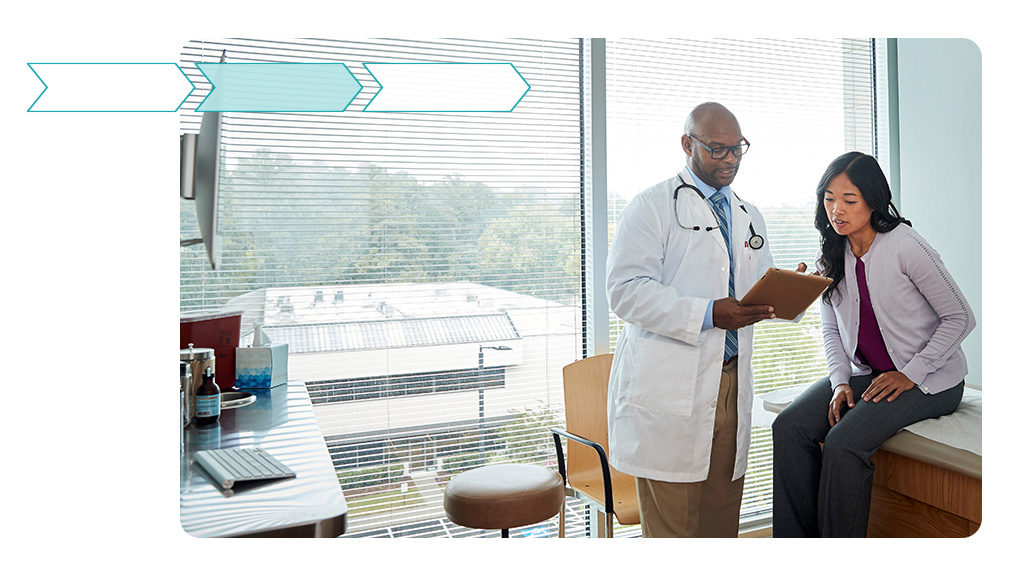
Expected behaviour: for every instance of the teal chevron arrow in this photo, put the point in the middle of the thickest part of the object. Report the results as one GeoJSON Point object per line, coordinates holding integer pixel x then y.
{"type": "Point", "coordinates": [446, 87]}
{"type": "Point", "coordinates": [278, 87]}
{"type": "Point", "coordinates": [110, 87]}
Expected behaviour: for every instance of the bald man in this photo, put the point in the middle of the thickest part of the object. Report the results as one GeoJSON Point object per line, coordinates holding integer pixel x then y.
{"type": "Point", "coordinates": [680, 391]}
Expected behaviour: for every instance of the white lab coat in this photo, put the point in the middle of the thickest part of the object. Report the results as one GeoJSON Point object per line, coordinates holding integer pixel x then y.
{"type": "Point", "coordinates": [666, 372]}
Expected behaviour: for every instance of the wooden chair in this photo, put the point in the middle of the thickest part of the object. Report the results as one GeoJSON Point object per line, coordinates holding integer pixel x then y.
{"type": "Point", "coordinates": [589, 476]}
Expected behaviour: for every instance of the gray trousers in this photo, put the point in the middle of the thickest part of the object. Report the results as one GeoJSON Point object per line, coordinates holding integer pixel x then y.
{"type": "Point", "coordinates": [825, 490]}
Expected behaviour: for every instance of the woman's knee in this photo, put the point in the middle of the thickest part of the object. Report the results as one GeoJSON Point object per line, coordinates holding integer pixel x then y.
{"type": "Point", "coordinates": [783, 422]}
{"type": "Point", "coordinates": [806, 417]}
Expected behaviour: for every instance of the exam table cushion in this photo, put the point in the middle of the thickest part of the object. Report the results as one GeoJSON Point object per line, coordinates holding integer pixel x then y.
{"type": "Point", "coordinates": [950, 442]}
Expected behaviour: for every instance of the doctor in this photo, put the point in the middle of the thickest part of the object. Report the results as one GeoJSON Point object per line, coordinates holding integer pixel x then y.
{"type": "Point", "coordinates": [680, 391]}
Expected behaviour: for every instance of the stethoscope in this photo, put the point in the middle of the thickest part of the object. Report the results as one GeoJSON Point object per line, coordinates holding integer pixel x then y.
{"type": "Point", "coordinates": [755, 241]}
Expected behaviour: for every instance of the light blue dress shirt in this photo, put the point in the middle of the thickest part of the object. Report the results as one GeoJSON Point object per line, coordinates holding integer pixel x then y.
{"type": "Point", "coordinates": [709, 191]}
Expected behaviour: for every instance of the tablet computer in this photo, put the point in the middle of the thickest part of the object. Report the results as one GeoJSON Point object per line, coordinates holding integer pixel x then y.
{"type": "Point", "coordinates": [789, 292]}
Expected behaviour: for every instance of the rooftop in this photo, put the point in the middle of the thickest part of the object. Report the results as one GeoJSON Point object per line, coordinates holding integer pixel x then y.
{"type": "Point", "coordinates": [331, 318]}
{"type": "Point", "coordinates": [391, 333]}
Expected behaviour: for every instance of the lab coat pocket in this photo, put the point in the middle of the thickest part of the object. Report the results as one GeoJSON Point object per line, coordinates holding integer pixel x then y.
{"type": "Point", "coordinates": [665, 376]}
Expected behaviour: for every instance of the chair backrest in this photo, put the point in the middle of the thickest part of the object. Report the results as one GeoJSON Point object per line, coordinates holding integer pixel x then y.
{"type": "Point", "coordinates": [586, 414]}
{"type": "Point", "coordinates": [586, 400]}
{"type": "Point", "coordinates": [586, 410]}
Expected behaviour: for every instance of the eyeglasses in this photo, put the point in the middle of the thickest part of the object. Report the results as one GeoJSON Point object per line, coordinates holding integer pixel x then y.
{"type": "Point", "coordinates": [723, 151]}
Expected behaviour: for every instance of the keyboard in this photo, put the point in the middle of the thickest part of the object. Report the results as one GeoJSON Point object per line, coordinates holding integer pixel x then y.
{"type": "Point", "coordinates": [230, 466]}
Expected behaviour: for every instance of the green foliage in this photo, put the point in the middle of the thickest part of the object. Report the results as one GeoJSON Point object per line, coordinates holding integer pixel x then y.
{"type": "Point", "coordinates": [285, 221]}
{"type": "Point", "coordinates": [369, 476]}
{"type": "Point", "coordinates": [521, 250]}
{"type": "Point", "coordinates": [525, 435]}
{"type": "Point", "coordinates": [453, 464]}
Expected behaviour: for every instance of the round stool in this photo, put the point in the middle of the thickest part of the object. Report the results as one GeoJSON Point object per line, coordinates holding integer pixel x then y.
{"type": "Point", "coordinates": [503, 496]}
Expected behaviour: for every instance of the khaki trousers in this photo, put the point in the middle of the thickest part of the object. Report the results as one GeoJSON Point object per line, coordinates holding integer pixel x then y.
{"type": "Point", "coordinates": [709, 508]}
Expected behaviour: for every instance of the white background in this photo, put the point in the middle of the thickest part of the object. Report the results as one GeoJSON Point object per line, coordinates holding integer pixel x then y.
{"type": "Point", "coordinates": [89, 301]}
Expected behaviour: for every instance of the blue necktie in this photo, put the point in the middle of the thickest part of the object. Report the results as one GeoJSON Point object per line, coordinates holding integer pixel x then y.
{"type": "Point", "coordinates": [720, 206]}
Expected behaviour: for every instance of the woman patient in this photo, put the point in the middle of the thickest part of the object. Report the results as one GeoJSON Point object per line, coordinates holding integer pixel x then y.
{"type": "Point", "coordinates": [892, 321]}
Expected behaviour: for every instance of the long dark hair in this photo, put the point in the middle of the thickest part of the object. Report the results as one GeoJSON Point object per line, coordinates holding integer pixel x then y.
{"type": "Point", "coordinates": [865, 173]}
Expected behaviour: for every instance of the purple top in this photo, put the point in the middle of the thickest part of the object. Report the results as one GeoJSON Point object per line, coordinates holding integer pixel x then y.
{"type": "Point", "coordinates": [870, 345]}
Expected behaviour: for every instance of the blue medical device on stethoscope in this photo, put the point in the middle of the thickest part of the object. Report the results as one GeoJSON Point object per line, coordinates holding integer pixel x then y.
{"type": "Point", "coordinates": [755, 241]}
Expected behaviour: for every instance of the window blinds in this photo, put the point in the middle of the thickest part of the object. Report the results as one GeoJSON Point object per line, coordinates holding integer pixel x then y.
{"type": "Point", "coordinates": [801, 103]}
{"type": "Point", "coordinates": [423, 267]}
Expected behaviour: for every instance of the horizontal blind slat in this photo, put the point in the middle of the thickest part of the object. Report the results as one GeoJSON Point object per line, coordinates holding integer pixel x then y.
{"type": "Point", "coordinates": [817, 96]}
{"type": "Point", "coordinates": [384, 222]}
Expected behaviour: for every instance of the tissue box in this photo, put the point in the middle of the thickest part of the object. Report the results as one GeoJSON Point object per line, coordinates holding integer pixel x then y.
{"type": "Point", "coordinates": [261, 367]}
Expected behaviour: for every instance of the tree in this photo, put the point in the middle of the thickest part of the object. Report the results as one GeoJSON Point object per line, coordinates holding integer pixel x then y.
{"type": "Point", "coordinates": [520, 434]}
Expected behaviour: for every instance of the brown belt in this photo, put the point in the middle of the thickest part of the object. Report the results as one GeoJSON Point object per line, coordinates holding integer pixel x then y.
{"type": "Point", "coordinates": [731, 360]}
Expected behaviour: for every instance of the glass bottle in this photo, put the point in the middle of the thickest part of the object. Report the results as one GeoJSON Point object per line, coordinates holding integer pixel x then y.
{"type": "Point", "coordinates": [185, 380]}
{"type": "Point", "coordinates": [207, 400]}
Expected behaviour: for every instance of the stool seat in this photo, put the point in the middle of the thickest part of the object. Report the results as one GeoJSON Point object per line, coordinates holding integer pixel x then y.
{"type": "Point", "coordinates": [503, 496]}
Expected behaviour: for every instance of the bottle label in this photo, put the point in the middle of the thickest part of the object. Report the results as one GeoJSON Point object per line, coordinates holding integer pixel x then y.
{"type": "Point", "coordinates": [207, 406]}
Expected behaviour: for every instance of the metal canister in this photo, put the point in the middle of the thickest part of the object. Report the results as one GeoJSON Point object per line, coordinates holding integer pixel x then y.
{"type": "Point", "coordinates": [198, 359]}
{"type": "Point", "coordinates": [185, 378]}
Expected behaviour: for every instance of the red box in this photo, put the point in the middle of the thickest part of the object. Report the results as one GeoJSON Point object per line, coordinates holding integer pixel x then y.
{"type": "Point", "coordinates": [218, 330]}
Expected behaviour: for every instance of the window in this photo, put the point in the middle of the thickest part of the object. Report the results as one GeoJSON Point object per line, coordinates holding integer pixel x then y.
{"type": "Point", "coordinates": [427, 269]}
{"type": "Point", "coordinates": [423, 267]}
{"type": "Point", "coordinates": [802, 103]}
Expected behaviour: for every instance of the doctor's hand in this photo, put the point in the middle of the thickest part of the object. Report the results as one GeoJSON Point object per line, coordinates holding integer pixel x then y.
{"type": "Point", "coordinates": [843, 395]}
{"type": "Point", "coordinates": [728, 314]}
{"type": "Point", "coordinates": [890, 382]}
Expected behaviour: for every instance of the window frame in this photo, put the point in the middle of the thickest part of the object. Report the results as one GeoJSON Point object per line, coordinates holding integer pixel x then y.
{"type": "Point", "coordinates": [594, 205]}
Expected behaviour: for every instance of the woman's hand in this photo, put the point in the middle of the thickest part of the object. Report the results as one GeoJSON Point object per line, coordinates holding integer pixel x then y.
{"type": "Point", "coordinates": [890, 382]}
{"type": "Point", "coordinates": [842, 394]}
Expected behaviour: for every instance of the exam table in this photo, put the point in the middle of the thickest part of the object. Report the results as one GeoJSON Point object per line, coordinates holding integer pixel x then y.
{"type": "Point", "coordinates": [927, 480]}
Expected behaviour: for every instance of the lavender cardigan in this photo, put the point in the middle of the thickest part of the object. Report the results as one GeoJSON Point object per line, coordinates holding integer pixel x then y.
{"type": "Point", "coordinates": [922, 314]}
